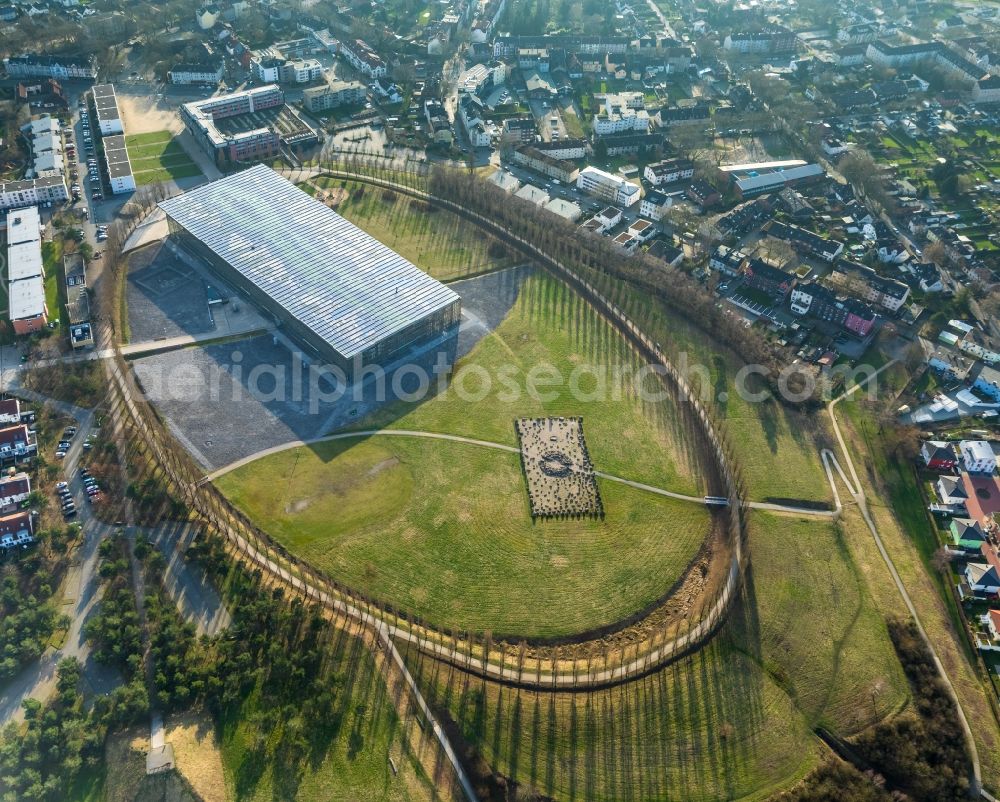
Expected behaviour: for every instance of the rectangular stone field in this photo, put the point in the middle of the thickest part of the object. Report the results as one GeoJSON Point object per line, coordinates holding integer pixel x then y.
{"type": "Point", "coordinates": [557, 468]}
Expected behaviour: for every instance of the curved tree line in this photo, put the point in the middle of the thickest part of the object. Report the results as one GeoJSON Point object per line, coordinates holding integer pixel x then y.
{"type": "Point", "coordinates": [550, 667]}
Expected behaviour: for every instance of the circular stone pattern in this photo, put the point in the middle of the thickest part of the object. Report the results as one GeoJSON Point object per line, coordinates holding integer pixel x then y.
{"type": "Point", "coordinates": [556, 464]}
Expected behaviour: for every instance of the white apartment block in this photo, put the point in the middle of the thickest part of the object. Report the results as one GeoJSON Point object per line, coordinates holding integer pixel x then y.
{"type": "Point", "coordinates": [606, 186]}
{"type": "Point", "coordinates": [622, 113]}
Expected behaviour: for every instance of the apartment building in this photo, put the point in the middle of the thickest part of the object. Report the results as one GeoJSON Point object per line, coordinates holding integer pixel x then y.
{"type": "Point", "coordinates": [606, 186]}
{"type": "Point", "coordinates": [334, 95]}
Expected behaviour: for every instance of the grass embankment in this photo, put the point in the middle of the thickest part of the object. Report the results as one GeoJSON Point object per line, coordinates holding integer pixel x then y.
{"type": "Point", "coordinates": [435, 240]}
{"type": "Point", "coordinates": [443, 529]}
{"type": "Point", "coordinates": [803, 646]}
{"type": "Point", "coordinates": [158, 156]}
{"type": "Point", "coordinates": [778, 448]}
{"type": "Point", "coordinates": [897, 506]}
{"type": "Point", "coordinates": [348, 760]}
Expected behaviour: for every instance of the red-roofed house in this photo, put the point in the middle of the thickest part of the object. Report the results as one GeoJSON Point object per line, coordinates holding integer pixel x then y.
{"type": "Point", "coordinates": [10, 411]}
{"type": "Point", "coordinates": [16, 442]}
{"type": "Point", "coordinates": [16, 530]}
{"type": "Point", "coordinates": [13, 491]}
{"type": "Point", "coordinates": [938, 455]}
{"type": "Point", "coordinates": [992, 621]}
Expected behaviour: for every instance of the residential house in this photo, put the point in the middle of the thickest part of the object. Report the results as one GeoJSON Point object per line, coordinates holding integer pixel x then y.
{"type": "Point", "coordinates": [16, 530]}
{"type": "Point", "coordinates": [534, 159]}
{"type": "Point", "coordinates": [655, 204]}
{"type": "Point", "coordinates": [642, 230]}
{"type": "Point", "coordinates": [967, 535]}
{"type": "Point", "coordinates": [365, 60]}
{"type": "Point", "coordinates": [951, 491]}
{"type": "Point", "coordinates": [703, 193]}
{"type": "Point", "coordinates": [938, 455]}
{"type": "Point", "coordinates": [761, 276]}
{"type": "Point", "coordinates": [988, 382]}
{"type": "Point", "coordinates": [14, 491]}
{"type": "Point", "coordinates": [984, 578]}
{"type": "Point", "coordinates": [801, 239]}
{"type": "Point", "coordinates": [977, 456]}
{"type": "Point", "coordinates": [16, 442]}
{"type": "Point", "coordinates": [862, 281]}
{"type": "Point", "coordinates": [817, 301]}
{"type": "Point", "coordinates": [726, 260]}
{"type": "Point", "coordinates": [663, 251]}
{"type": "Point", "coordinates": [668, 171]}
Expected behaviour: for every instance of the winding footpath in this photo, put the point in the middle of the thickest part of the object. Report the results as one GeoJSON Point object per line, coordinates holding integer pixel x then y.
{"type": "Point", "coordinates": [266, 452]}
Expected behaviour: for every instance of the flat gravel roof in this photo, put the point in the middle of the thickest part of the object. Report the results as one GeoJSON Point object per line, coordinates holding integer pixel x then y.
{"type": "Point", "coordinates": [344, 285]}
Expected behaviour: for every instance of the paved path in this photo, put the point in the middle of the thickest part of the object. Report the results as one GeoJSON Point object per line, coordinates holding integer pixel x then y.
{"type": "Point", "coordinates": [757, 505]}
{"type": "Point", "coordinates": [857, 491]}
{"type": "Point", "coordinates": [195, 596]}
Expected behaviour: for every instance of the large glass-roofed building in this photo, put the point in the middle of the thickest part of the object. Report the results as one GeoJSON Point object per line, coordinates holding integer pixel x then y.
{"type": "Point", "coordinates": [339, 291]}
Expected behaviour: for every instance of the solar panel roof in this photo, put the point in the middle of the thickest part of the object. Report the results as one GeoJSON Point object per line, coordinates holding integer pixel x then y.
{"type": "Point", "coordinates": [347, 287]}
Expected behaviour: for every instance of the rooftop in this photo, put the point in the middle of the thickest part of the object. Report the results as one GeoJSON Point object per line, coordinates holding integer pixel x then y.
{"type": "Point", "coordinates": [341, 283]}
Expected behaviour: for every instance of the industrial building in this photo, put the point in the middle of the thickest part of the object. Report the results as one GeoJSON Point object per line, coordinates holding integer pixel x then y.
{"type": "Point", "coordinates": [340, 293]}
{"type": "Point", "coordinates": [118, 165]}
{"type": "Point", "coordinates": [109, 118]}
{"type": "Point", "coordinates": [758, 178]}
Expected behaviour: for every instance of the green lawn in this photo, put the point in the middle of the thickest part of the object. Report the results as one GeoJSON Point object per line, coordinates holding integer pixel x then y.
{"type": "Point", "coordinates": [551, 331]}
{"type": "Point", "coordinates": [803, 646]}
{"type": "Point", "coordinates": [443, 529]}
{"type": "Point", "coordinates": [150, 138]}
{"type": "Point", "coordinates": [437, 241]}
{"type": "Point", "coordinates": [158, 157]}
{"type": "Point", "coordinates": [55, 285]}
{"type": "Point", "coordinates": [153, 176]}
{"type": "Point", "coordinates": [347, 762]}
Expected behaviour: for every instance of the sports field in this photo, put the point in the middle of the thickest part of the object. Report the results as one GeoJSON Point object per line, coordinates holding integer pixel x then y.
{"type": "Point", "coordinates": [157, 156]}
{"type": "Point", "coordinates": [443, 529]}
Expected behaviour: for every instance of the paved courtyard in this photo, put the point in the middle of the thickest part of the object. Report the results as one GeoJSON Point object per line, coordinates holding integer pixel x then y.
{"type": "Point", "coordinates": [225, 401]}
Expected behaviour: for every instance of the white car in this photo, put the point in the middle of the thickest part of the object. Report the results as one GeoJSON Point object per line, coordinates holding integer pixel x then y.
{"type": "Point", "coordinates": [60, 454]}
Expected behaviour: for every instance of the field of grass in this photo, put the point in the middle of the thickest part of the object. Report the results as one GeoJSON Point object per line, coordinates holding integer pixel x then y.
{"type": "Point", "coordinates": [157, 157]}
{"type": "Point", "coordinates": [804, 646]}
{"type": "Point", "coordinates": [55, 284]}
{"type": "Point", "coordinates": [443, 529]}
{"type": "Point", "coordinates": [348, 761]}
{"type": "Point", "coordinates": [551, 330]}
{"type": "Point", "coordinates": [437, 241]}
{"type": "Point", "coordinates": [778, 448]}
